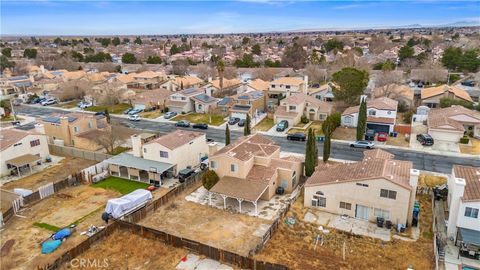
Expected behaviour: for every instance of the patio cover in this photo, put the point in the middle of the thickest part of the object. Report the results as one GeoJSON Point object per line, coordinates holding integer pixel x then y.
{"type": "Point", "coordinates": [23, 160]}
{"type": "Point", "coordinates": [240, 188]}
{"type": "Point", "coordinates": [131, 161]}
{"type": "Point", "coordinates": [470, 236]}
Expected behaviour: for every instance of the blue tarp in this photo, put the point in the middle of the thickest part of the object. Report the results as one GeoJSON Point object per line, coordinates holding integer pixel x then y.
{"type": "Point", "coordinates": [60, 235]}
{"type": "Point", "coordinates": [50, 246]}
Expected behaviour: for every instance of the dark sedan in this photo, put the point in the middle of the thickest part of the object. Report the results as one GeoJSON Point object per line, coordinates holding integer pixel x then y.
{"type": "Point", "coordinates": [200, 126]}
{"type": "Point", "coordinates": [182, 123]}
{"type": "Point", "coordinates": [297, 137]}
{"type": "Point", "coordinates": [233, 120]}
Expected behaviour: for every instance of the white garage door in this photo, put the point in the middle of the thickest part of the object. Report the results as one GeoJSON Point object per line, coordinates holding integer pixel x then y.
{"type": "Point", "coordinates": [238, 115]}
{"type": "Point", "coordinates": [445, 136]}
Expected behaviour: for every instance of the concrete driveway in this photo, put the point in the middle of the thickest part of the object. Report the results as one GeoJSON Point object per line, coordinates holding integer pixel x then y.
{"type": "Point", "coordinates": [443, 146]}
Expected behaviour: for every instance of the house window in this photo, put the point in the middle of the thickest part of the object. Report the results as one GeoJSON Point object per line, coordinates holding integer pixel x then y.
{"type": "Point", "coordinates": [322, 116]}
{"type": "Point", "coordinates": [213, 164]}
{"type": "Point", "coordinates": [319, 200]}
{"type": "Point", "coordinates": [163, 154]}
{"type": "Point", "coordinates": [183, 98]}
{"type": "Point", "coordinates": [17, 144]}
{"type": "Point", "coordinates": [292, 108]}
{"type": "Point", "coordinates": [347, 120]}
{"type": "Point", "coordinates": [471, 212]}
{"type": "Point", "coordinates": [287, 86]}
{"type": "Point", "coordinates": [385, 193]}
{"type": "Point", "coordinates": [362, 185]}
{"type": "Point", "coordinates": [273, 85]}
{"type": "Point", "coordinates": [35, 143]}
{"type": "Point", "coordinates": [381, 213]}
{"type": "Point", "coordinates": [144, 150]}
{"type": "Point", "coordinates": [199, 106]}
{"type": "Point", "coordinates": [233, 167]}
{"type": "Point", "coordinates": [345, 205]}
{"type": "Point", "coordinates": [76, 129]}
{"type": "Point", "coordinates": [90, 125]}
{"type": "Point", "coordinates": [372, 112]}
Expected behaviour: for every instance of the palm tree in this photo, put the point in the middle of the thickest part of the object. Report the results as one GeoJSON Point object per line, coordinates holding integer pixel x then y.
{"type": "Point", "coordinates": [221, 69]}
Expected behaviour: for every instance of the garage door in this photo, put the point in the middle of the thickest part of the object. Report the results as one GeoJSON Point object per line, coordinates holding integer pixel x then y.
{"type": "Point", "coordinates": [175, 109]}
{"type": "Point", "coordinates": [362, 211]}
{"type": "Point", "coordinates": [445, 135]}
{"type": "Point", "coordinates": [238, 115]}
{"type": "Point", "coordinates": [379, 127]}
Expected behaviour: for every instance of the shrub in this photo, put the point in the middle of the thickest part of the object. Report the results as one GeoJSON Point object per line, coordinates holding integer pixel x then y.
{"type": "Point", "coordinates": [209, 179]}
{"type": "Point", "coordinates": [464, 140]}
{"type": "Point", "coordinates": [304, 119]}
{"type": "Point", "coordinates": [407, 117]}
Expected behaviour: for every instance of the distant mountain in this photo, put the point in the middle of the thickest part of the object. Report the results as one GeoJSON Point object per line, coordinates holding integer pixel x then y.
{"type": "Point", "coordinates": [463, 24]}
{"type": "Point", "coordinates": [454, 24]}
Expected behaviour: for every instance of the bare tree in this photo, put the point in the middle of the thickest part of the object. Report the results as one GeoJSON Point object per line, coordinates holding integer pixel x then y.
{"type": "Point", "coordinates": [264, 73]}
{"type": "Point", "coordinates": [107, 67]}
{"type": "Point", "coordinates": [378, 44]}
{"type": "Point", "coordinates": [180, 67]}
{"type": "Point", "coordinates": [60, 63]}
{"type": "Point", "coordinates": [230, 73]}
{"type": "Point", "coordinates": [315, 73]}
{"type": "Point", "coordinates": [205, 71]}
{"type": "Point", "coordinates": [108, 93]}
{"type": "Point", "coordinates": [75, 89]}
{"type": "Point", "coordinates": [431, 75]}
{"type": "Point", "coordinates": [112, 136]}
{"type": "Point", "coordinates": [383, 78]}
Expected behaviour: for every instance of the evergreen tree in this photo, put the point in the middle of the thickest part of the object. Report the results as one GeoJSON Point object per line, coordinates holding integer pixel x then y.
{"type": "Point", "coordinates": [227, 135]}
{"type": "Point", "coordinates": [107, 116]}
{"type": "Point", "coordinates": [326, 146]}
{"type": "Point", "coordinates": [310, 154]}
{"type": "Point", "coordinates": [246, 129]}
{"type": "Point", "coordinates": [362, 119]}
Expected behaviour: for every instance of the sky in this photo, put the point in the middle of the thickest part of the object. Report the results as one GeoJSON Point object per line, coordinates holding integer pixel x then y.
{"type": "Point", "coordinates": [46, 17]}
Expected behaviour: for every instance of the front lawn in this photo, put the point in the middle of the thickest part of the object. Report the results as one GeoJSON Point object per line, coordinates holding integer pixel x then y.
{"type": "Point", "coordinates": [10, 118]}
{"type": "Point", "coordinates": [217, 119]}
{"type": "Point", "coordinates": [67, 105]}
{"type": "Point", "coordinates": [151, 114]}
{"type": "Point", "coordinates": [115, 109]}
{"type": "Point", "coordinates": [265, 125]}
{"type": "Point", "coordinates": [121, 185]}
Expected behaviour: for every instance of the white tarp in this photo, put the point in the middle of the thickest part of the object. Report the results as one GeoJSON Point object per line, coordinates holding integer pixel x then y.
{"type": "Point", "coordinates": [22, 192]}
{"type": "Point", "coordinates": [120, 206]}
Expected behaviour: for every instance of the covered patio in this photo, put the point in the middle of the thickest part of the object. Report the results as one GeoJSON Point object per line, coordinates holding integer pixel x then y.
{"type": "Point", "coordinates": [135, 168]}
{"type": "Point", "coordinates": [239, 189]}
{"type": "Point", "coordinates": [23, 162]}
{"type": "Point", "coordinates": [468, 242]}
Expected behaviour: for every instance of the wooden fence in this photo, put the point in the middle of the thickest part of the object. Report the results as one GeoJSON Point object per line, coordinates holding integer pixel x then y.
{"type": "Point", "coordinates": [403, 129]}
{"type": "Point", "coordinates": [75, 152]}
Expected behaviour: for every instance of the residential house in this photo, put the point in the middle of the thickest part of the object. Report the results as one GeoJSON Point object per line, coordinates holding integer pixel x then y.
{"type": "Point", "coordinates": [250, 169]}
{"type": "Point", "coordinates": [182, 102]}
{"type": "Point", "coordinates": [401, 93]}
{"type": "Point", "coordinates": [376, 187]}
{"type": "Point", "coordinates": [147, 80]}
{"type": "Point", "coordinates": [381, 115]}
{"type": "Point", "coordinates": [154, 159]}
{"type": "Point", "coordinates": [15, 84]}
{"type": "Point", "coordinates": [204, 103]}
{"type": "Point", "coordinates": [463, 207]}
{"type": "Point", "coordinates": [230, 87]}
{"type": "Point", "coordinates": [179, 83]}
{"type": "Point", "coordinates": [21, 151]}
{"type": "Point", "coordinates": [297, 105]}
{"type": "Point", "coordinates": [251, 103]}
{"type": "Point", "coordinates": [323, 93]}
{"type": "Point", "coordinates": [451, 123]}
{"type": "Point", "coordinates": [258, 85]}
{"type": "Point", "coordinates": [431, 96]}
{"type": "Point", "coordinates": [155, 98]}
{"type": "Point", "coordinates": [285, 86]}
{"type": "Point", "coordinates": [75, 129]}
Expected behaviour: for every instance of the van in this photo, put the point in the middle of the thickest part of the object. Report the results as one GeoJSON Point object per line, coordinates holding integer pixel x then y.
{"type": "Point", "coordinates": [425, 139]}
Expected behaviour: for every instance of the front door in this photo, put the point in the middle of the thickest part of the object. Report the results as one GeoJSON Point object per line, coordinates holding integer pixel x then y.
{"type": "Point", "coordinates": [361, 212]}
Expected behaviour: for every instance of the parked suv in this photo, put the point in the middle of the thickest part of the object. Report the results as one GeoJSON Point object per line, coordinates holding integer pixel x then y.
{"type": "Point", "coordinates": [370, 135]}
{"type": "Point", "coordinates": [282, 125]}
{"type": "Point", "coordinates": [425, 139]}
{"type": "Point", "coordinates": [297, 137]}
{"type": "Point", "coordinates": [184, 174]}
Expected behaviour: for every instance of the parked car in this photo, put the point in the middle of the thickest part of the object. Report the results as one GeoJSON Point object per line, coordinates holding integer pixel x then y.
{"type": "Point", "coordinates": [469, 83]}
{"type": "Point", "coordinates": [282, 126]}
{"type": "Point", "coordinates": [382, 137]}
{"type": "Point", "coordinates": [182, 123]}
{"type": "Point", "coordinates": [127, 110]}
{"type": "Point", "coordinates": [200, 126]}
{"type": "Point", "coordinates": [38, 100]}
{"type": "Point", "coordinates": [242, 122]}
{"type": "Point", "coordinates": [184, 174]}
{"type": "Point", "coordinates": [49, 101]}
{"type": "Point", "coordinates": [100, 113]}
{"type": "Point", "coordinates": [135, 111]}
{"type": "Point", "coordinates": [362, 144]}
{"type": "Point", "coordinates": [233, 120]}
{"type": "Point", "coordinates": [297, 137]}
{"type": "Point", "coordinates": [425, 139]}
{"type": "Point", "coordinates": [134, 117]}
{"type": "Point", "coordinates": [370, 135]}
{"type": "Point", "coordinates": [169, 115]}
{"type": "Point", "coordinates": [84, 104]}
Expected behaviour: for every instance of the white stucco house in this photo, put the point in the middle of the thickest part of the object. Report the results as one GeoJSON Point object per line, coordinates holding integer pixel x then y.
{"type": "Point", "coordinates": [182, 102]}
{"type": "Point", "coordinates": [450, 124]}
{"type": "Point", "coordinates": [464, 206]}
{"type": "Point", "coordinates": [381, 115]}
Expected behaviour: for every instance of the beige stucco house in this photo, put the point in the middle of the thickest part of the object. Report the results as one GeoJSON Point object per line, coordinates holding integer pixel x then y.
{"type": "Point", "coordinates": [295, 106]}
{"type": "Point", "coordinates": [182, 102]}
{"type": "Point", "coordinates": [20, 150]}
{"type": "Point", "coordinates": [250, 169]}
{"type": "Point", "coordinates": [450, 124]}
{"type": "Point", "coordinates": [431, 96]}
{"type": "Point", "coordinates": [377, 186]}
{"type": "Point", "coordinates": [286, 86]}
{"type": "Point", "coordinates": [178, 83]}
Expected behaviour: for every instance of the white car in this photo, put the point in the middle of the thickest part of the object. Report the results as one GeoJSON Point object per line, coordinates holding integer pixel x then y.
{"type": "Point", "coordinates": [362, 144]}
{"type": "Point", "coordinates": [134, 117]}
{"type": "Point", "coordinates": [84, 104]}
{"type": "Point", "coordinates": [49, 101]}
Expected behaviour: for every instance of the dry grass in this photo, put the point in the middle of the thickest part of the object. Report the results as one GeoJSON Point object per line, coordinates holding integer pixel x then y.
{"type": "Point", "coordinates": [294, 246]}
{"type": "Point", "coordinates": [124, 250]}
{"type": "Point", "coordinates": [315, 125]}
{"type": "Point", "coordinates": [426, 180]}
{"type": "Point", "coordinates": [217, 119]}
{"type": "Point", "coordinates": [400, 140]}
{"type": "Point", "coordinates": [344, 133]}
{"type": "Point", "coordinates": [152, 114]}
{"type": "Point", "coordinates": [264, 125]}
{"type": "Point", "coordinates": [473, 149]}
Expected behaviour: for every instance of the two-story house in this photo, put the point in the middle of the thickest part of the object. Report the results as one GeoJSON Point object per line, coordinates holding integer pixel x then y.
{"type": "Point", "coordinates": [21, 151]}
{"type": "Point", "coordinates": [464, 206]}
{"type": "Point", "coordinates": [147, 80]}
{"type": "Point", "coordinates": [156, 158]}
{"type": "Point", "coordinates": [297, 105]}
{"type": "Point", "coordinates": [381, 115]}
{"type": "Point", "coordinates": [250, 169]}
{"type": "Point", "coordinates": [251, 103]}
{"type": "Point", "coordinates": [178, 83]}
{"type": "Point", "coordinates": [75, 129]}
{"type": "Point", "coordinates": [285, 86]}
{"type": "Point", "coordinates": [377, 186]}
{"type": "Point", "coordinates": [230, 87]}
{"type": "Point", "coordinates": [431, 96]}
{"type": "Point", "coordinates": [182, 102]}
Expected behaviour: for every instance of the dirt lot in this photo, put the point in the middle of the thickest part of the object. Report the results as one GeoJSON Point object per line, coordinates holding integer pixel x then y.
{"type": "Point", "coordinates": [218, 228]}
{"type": "Point", "coordinates": [124, 250]}
{"type": "Point", "coordinates": [55, 173]}
{"type": "Point", "coordinates": [294, 246]}
{"type": "Point", "coordinates": [344, 133]}
{"type": "Point", "coordinates": [81, 204]}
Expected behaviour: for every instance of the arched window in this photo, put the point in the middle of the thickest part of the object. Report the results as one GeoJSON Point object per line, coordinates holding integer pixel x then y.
{"type": "Point", "coordinates": [319, 199]}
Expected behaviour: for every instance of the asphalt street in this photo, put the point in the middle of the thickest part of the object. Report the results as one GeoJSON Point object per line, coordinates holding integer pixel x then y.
{"type": "Point", "coordinates": [421, 160]}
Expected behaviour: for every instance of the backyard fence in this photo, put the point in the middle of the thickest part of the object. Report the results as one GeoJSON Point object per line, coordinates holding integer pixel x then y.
{"type": "Point", "coordinates": [75, 152]}
{"type": "Point", "coordinates": [403, 129]}
{"type": "Point", "coordinates": [90, 172]}
{"type": "Point", "coordinates": [51, 188]}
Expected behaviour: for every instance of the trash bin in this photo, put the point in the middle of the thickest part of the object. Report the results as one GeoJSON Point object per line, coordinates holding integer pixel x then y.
{"type": "Point", "coordinates": [395, 134]}
{"type": "Point", "coordinates": [320, 138]}
{"type": "Point", "coordinates": [380, 222]}
{"type": "Point", "coordinates": [388, 224]}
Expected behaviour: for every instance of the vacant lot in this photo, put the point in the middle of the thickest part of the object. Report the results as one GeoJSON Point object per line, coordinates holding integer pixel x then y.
{"type": "Point", "coordinates": [81, 205]}
{"type": "Point", "coordinates": [120, 185]}
{"type": "Point", "coordinates": [217, 119]}
{"type": "Point", "coordinates": [294, 246]}
{"type": "Point", "coordinates": [344, 133]}
{"type": "Point", "coordinates": [211, 226]}
{"type": "Point", "coordinates": [55, 173]}
{"type": "Point", "coordinates": [124, 250]}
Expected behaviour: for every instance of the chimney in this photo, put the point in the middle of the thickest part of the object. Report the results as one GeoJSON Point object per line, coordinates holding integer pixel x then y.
{"type": "Point", "coordinates": [64, 121]}
{"type": "Point", "coordinates": [413, 181]}
{"type": "Point", "coordinates": [40, 128]}
{"type": "Point", "coordinates": [209, 79]}
{"type": "Point", "coordinates": [212, 148]}
{"type": "Point", "coordinates": [137, 145]}
{"type": "Point", "coordinates": [456, 191]}
{"type": "Point", "coordinates": [305, 84]}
